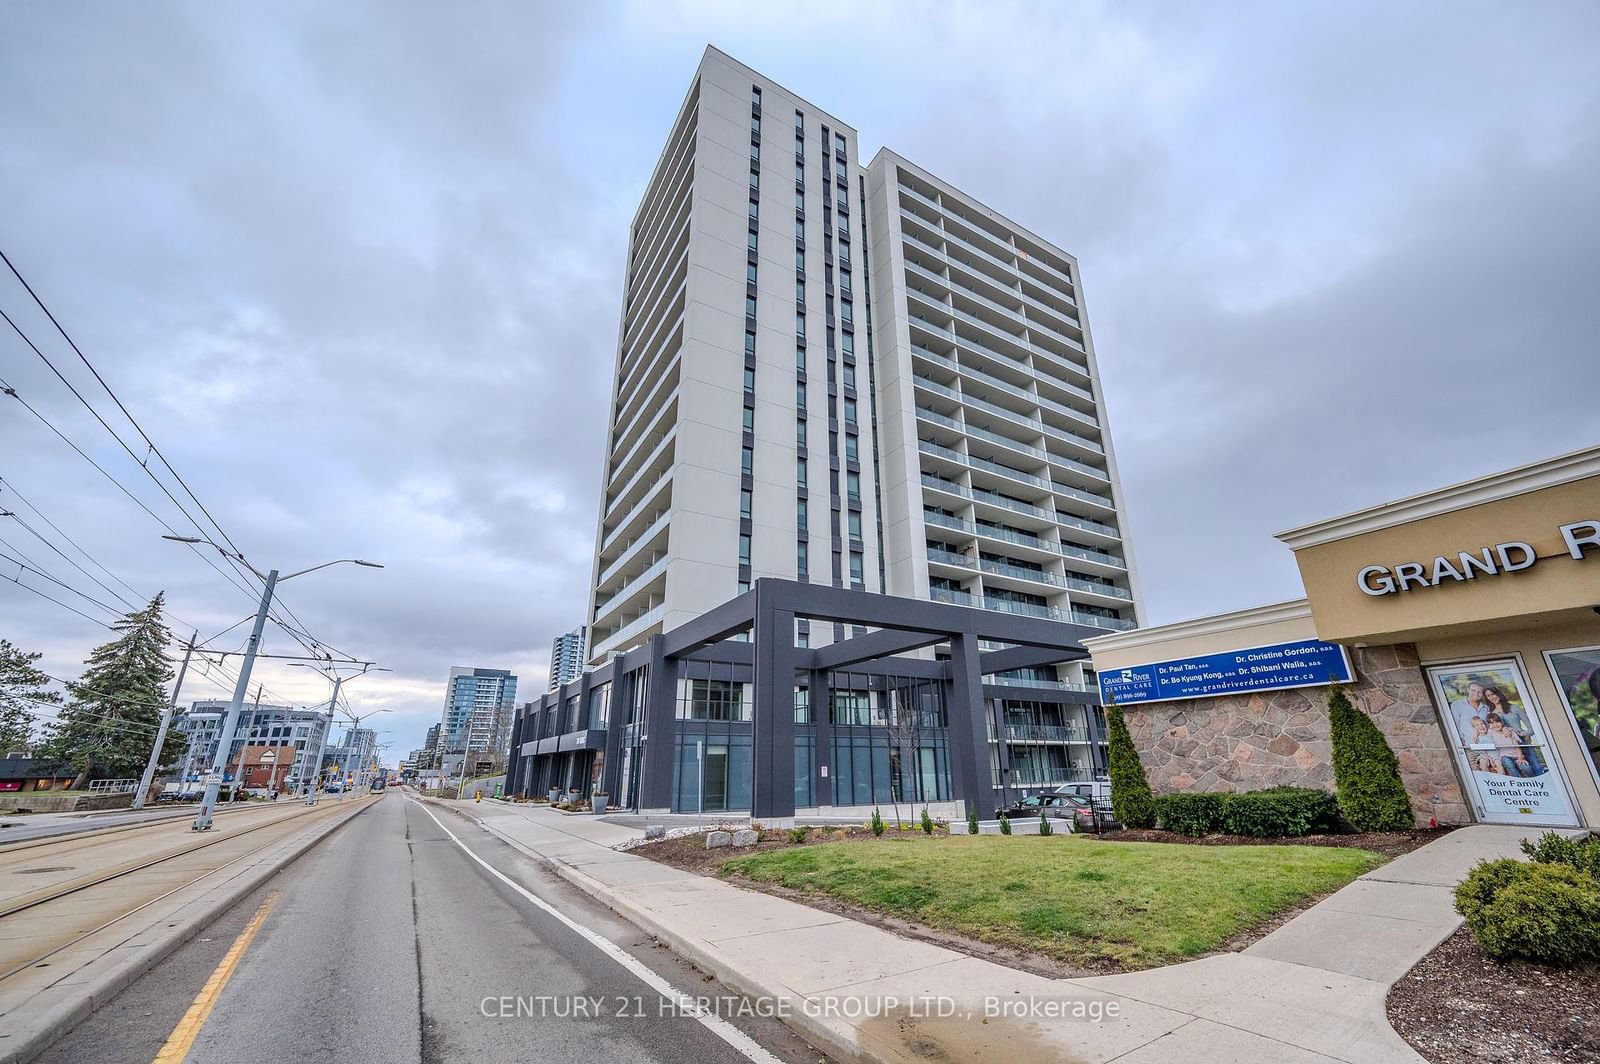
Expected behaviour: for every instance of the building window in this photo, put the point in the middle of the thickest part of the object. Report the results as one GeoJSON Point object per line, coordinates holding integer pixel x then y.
{"type": "Point", "coordinates": [800, 359]}
{"type": "Point", "coordinates": [750, 240]}
{"type": "Point", "coordinates": [800, 395]}
{"type": "Point", "coordinates": [800, 432]}
{"type": "Point", "coordinates": [852, 483]}
{"type": "Point", "coordinates": [746, 459]}
{"type": "Point", "coordinates": [799, 229]}
{"type": "Point", "coordinates": [744, 550]}
{"type": "Point", "coordinates": [844, 281]}
{"type": "Point", "coordinates": [849, 411]}
{"type": "Point", "coordinates": [714, 700]}
{"type": "Point", "coordinates": [800, 261]}
{"type": "Point", "coordinates": [799, 174]}
{"type": "Point", "coordinates": [750, 272]}
{"type": "Point", "coordinates": [800, 472]}
{"type": "Point", "coordinates": [744, 502]}
{"type": "Point", "coordinates": [838, 170]}
{"type": "Point", "coordinates": [749, 379]}
{"type": "Point", "coordinates": [799, 120]}
{"type": "Point", "coordinates": [857, 573]}
{"type": "Point", "coordinates": [800, 325]}
{"type": "Point", "coordinates": [855, 525]}
{"type": "Point", "coordinates": [849, 376]}
{"type": "Point", "coordinates": [750, 306]}
{"type": "Point", "coordinates": [749, 343]}
{"type": "Point", "coordinates": [802, 561]}
{"type": "Point", "coordinates": [755, 95]}
{"type": "Point", "coordinates": [749, 419]}
{"type": "Point", "coordinates": [800, 515]}
{"type": "Point", "coordinates": [849, 345]}
{"type": "Point", "coordinates": [846, 312]}
{"type": "Point", "coordinates": [838, 142]}
{"type": "Point", "coordinates": [852, 447]}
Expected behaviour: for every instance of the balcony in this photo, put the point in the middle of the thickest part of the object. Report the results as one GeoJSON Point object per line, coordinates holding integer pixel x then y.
{"type": "Point", "coordinates": [1050, 685]}
{"type": "Point", "coordinates": [1003, 385]}
{"type": "Point", "coordinates": [988, 497]}
{"type": "Point", "coordinates": [983, 434]}
{"type": "Point", "coordinates": [1046, 733]}
{"type": "Point", "coordinates": [629, 631]}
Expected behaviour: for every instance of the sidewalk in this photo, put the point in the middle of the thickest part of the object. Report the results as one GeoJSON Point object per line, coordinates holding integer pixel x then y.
{"type": "Point", "coordinates": [1311, 991]}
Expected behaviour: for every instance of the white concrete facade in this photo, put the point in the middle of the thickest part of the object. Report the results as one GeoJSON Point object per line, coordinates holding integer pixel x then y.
{"type": "Point", "coordinates": [944, 350]}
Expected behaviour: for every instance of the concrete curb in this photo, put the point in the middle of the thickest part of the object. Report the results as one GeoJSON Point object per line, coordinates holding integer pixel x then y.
{"type": "Point", "coordinates": [809, 1027]}
{"type": "Point", "coordinates": [44, 1028]}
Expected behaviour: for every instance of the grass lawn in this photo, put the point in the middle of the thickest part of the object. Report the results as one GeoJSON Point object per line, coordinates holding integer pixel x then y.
{"type": "Point", "coordinates": [1097, 905]}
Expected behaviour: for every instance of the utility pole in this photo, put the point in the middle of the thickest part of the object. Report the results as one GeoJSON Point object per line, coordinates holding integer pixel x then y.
{"type": "Point", "coordinates": [322, 743]}
{"type": "Point", "coordinates": [255, 721]}
{"type": "Point", "coordinates": [161, 732]}
{"type": "Point", "coordinates": [219, 764]}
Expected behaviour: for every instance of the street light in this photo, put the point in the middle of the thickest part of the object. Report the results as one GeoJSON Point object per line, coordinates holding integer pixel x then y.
{"type": "Point", "coordinates": [327, 729]}
{"type": "Point", "coordinates": [202, 820]}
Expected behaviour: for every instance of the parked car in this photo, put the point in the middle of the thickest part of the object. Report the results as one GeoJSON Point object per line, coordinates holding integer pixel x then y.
{"type": "Point", "coordinates": [1052, 805]}
{"type": "Point", "coordinates": [1098, 791]}
{"type": "Point", "coordinates": [1090, 814]}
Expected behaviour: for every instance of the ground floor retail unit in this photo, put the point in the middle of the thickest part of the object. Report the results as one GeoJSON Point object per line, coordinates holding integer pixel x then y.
{"type": "Point", "coordinates": [915, 703]}
{"type": "Point", "coordinates": [1464, 621]}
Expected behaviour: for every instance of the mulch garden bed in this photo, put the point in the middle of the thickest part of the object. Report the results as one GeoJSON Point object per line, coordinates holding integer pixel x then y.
{"type": "Point", "coordinates": [1461, 1006]}
{"type": "Point", "coordinates": [1388, 843]}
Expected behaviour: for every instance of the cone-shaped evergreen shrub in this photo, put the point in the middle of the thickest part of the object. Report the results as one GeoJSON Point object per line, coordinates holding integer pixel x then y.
{"type": "Point", "coordinates": [1371, 796]}
{"type": "Point", "coordinates": [1131, 799]}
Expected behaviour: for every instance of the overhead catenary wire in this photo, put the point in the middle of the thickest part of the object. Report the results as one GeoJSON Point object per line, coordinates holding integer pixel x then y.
{"type": "Point", "coordinates": [27, 564]}
{"type": "Point", "coordinates": [299, 631]}
{"type": "Point", "coordinates": [7, 487]}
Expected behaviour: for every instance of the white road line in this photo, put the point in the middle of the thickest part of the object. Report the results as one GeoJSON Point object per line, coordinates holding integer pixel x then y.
{"type": "Point", "coordinates": [684, 1003]}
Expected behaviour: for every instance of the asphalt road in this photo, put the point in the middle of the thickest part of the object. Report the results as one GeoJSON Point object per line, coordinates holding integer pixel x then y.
{"type": "Point", "coordinates": [388, 943]}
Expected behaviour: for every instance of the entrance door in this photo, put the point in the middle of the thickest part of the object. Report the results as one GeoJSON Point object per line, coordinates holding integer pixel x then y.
{"type": "Point", "coordinates": [1502, 746]}
{"type": "Point", "coordinates": [716, 779]}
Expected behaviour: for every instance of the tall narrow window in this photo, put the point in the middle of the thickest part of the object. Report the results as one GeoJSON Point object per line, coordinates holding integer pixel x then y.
{"type": "Point", "coordinates": [744, 502]}
{"type": "Point", "coordinates": [747, 460]}
{"type": "Point", "coordinates": [800, 514]}
{"type": "Point", "coordinates": [802, 561]}
{"type": "Point", "coordinates": [744, 550]}
{"type": "Point", "coordinates": [749, 419]}
{"type": "Point", "coordinates": [800, 472]}
{"type": "Point", "coordinates": [852, 483]}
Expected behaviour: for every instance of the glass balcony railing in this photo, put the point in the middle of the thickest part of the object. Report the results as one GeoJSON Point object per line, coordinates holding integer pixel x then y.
{"type": "Point", "coordinates": [1004, 386]}
{"type": "Point", "coordinates": [1046, 733]}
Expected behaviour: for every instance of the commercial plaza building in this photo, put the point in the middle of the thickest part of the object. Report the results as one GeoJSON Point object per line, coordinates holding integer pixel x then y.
{"type": "Point", "coordinates": [1463, 621]}
{"type": "Point", "coordinates": [855, 377]}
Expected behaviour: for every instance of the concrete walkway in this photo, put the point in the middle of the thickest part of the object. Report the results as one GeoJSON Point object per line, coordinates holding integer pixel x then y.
{"type": "Point", "coordinates": [1311, 991]}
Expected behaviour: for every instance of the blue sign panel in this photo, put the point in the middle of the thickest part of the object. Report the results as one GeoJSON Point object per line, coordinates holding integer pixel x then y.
{"type": "Point", "coordinates": [1309, 663]}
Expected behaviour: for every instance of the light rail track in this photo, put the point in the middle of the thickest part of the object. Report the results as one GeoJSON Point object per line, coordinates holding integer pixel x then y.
{"type": "Point", "coordinates": [76, 896]}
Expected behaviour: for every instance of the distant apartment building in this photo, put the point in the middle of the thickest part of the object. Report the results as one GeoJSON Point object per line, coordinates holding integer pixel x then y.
{"type": "Point", "coordinates": [567, 656]}
{"type": "Point", "coordinates": [477, 710]}
{"type": "Point", "coordinates": [291, 735]}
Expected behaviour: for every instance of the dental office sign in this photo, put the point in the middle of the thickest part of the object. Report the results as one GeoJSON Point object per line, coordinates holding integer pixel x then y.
{"type": "Point", "coordinates": [1308, 663]}
{"type": "Point", "coordinates": [1503, 558]}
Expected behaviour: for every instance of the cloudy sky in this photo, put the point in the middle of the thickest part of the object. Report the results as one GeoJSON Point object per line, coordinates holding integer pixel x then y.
{"type": "Point", "coordinates": [356, 269]}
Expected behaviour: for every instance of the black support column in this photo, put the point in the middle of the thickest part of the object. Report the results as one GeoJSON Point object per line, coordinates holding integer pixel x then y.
{"type": "Point", "coordinates": [969, 734]}
{"type": "Point", "coordinates": [772, 768]}
{"type": "Point", "coordinates": [661, 726]}
{"type": "Point", "coordinates": [822, 737]}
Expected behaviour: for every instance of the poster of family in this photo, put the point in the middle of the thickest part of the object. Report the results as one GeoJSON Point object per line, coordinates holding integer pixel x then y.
{"type": "Point", "coordinates": [1502, 742]}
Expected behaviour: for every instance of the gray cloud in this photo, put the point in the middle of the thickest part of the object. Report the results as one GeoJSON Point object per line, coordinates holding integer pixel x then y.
{"type": "Point", "coordinates": [357, 269]}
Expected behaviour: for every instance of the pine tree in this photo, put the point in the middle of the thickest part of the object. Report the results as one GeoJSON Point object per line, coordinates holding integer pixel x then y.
{"type": "Point", "coordinates": [1131, 799]}
{"type": "Point", "coordinates": [22, 688]}
{"type": "Point", "coordinates": [116, 704]}
{"type": "Point", "coordinates": [1365, 770]}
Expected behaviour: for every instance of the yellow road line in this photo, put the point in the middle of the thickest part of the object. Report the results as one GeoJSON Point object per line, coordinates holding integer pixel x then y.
{"type": "Point", "coordinates": [183, 1035]}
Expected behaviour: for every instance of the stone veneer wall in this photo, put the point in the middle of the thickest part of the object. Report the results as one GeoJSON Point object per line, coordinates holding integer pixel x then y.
{"type": "Point", "coordinates": [1276, 738]}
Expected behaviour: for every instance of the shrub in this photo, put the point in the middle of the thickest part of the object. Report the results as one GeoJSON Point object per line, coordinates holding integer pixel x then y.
{"type": "Point", "coordinates": [1005, 825]}
{"type": "Point", "coordinates": [1582, 854]}
{"type": "Point", "coordinates": [877, 821]}
{"type": "Point", "coordinates": [972, 820]}
{"type": "Point", "coordinates": [797, 835]}
{"type": "Point", "coordinates": [1280, 811]}
{"type": "Point", "coordinates": [1371, 796]}
{"type": "Point", "coordinates": [1546, 913]}
{"type": "Point", "coordinates": [1044, 825]}
{"type": "Point", "coordinates": [927, 822]}
{"type": "Point", "coordinates": [1189, 813]}
{"type": "Point", "coordinates": [1131, 799]}
{"type": "Point", "coordinates": [1483, 883]}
